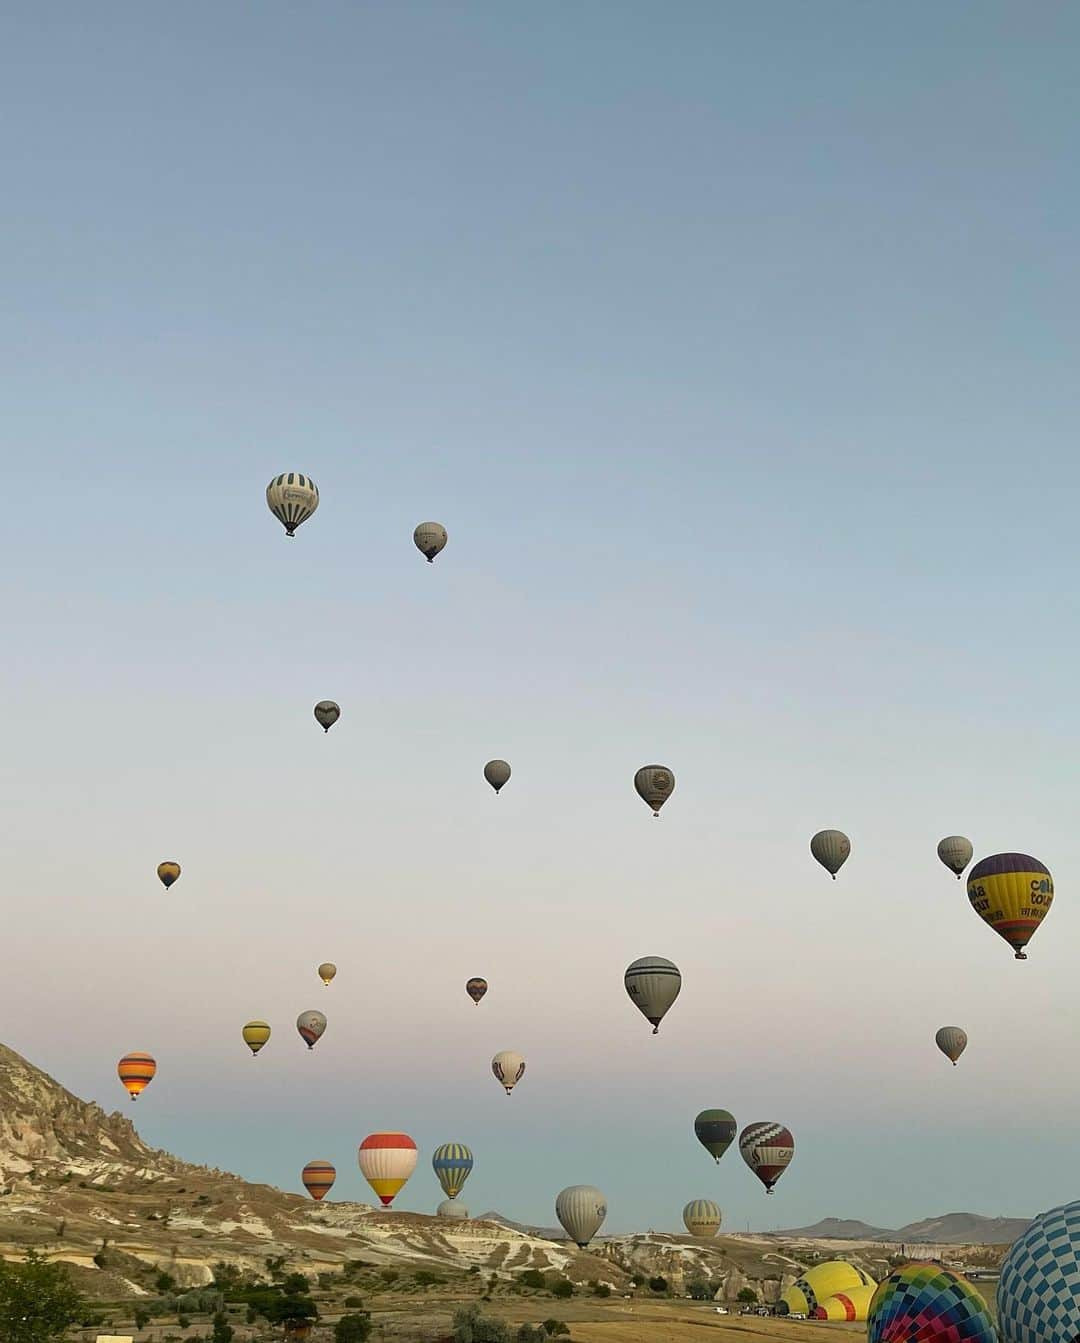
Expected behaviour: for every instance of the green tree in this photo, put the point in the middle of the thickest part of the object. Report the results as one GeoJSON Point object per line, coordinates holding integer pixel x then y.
{"type": "Point", "coordinates": [658, 1284]}
{"type": "Point", "coordinates": [295, 1284]}
{"type": "Point", "coordinates": [223, 1330]}
{"type": "Point", "coordinates": [747, 1295]}
{"type": "Point", "coordinates": [638, 1279]}
{"type": "Point", "coordinates": [470, 1326]}
{"type": "Point", "coordinates": [532, 1277]}
{"type": "Point", "coordinates": [37, 1301]}
{"type": "Point", "coordinates": [142, 1317]}
{"type": "Point", "coordinates": [699, 1289]}
{"type": "Point", "coordinates": [601, 1289]}
{"type": "Point", "coordinates": [164, 1282]}
{"type": "Point", "coordinates": [352, 1328]}
{"type": "Point", "coordinates": [553, 1328]}
{"type": "Point", "coordinates": [562, 1288]}
{"type": "Point", "coordinates": [389, 1275]}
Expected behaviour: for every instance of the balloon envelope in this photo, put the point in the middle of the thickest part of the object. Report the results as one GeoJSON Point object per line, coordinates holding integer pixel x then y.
{"type": "Point", "coordinates": [292, 498]}
{"type": "Point", "coordinates": [476, 988]}
{"type": "Point", "coordinates": [451, 1208]}
{"type": "Point", "coordinates": [1012, 892]}
{"type": "Point", "coordinates": [653, 984]}
{"type": "Point", "coordinates": [852, 1305]}
{"type": "Point", "coordinates": [386, 1162]}
{"type": "Point", "coordinates": [452, 1163]}
{"type": "Point", "coordinates": [318, 1178]}
{"type": "Point", "coordinates": [497, 772]}
{"type": "Point", "coordinates": [831, 848]}
{"type": "Point", "coordinates": [1037, 1295]}
{"type": "Point", "coordinates": [715, 1130]}
{"type": "Point", "coordinates": [955, 852]}
{"type": "Point", "coordinates": [927, 1303]}
{"type": "Point", "coordinates": [581, 1210]}
{"type": "Point", "coordinates": [767, 1149]}
{"type": "Point", "coordinates": [509, 1068]}
{"type": "Point", "coordinates": [654, 784]}
{"type": "Point", "coordinates": [429, 538]}
{"type": "Point", "coordinates": [311, 1026]}
{"type": "Point", "coordinates": [701, 1217]}
{"type": "Point", "coordinates": [326, 714]}
{"type": "Point", "coordinates": [136, 1071]}
{"type": "Point", "coordinates": [168, 873]}
{"type": "Point", "coordinates": [327, 971]}
{"type": "Point", "coordinates": [952, 1041]}
{"type": "Point", "coordinates": [256, 1034]}
{"type": "Point", "coordinates": [819, 1284]}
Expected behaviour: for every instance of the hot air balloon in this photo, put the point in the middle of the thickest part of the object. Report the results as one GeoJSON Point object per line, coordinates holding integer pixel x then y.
{"type": "Point", "coordinates": [819, 1284]}
{"type": "Point", "coordinates": [168, 873]}
{"type": "Point", "coordinates": [715, 1130]}
{"type": "Point", "coordinates": [327, 713]}
{"type": "Point", "coordinates": [292, 498]}
{"type": "Point", "coordinates": [952, 1041]}
{"type": "Point", "coordinates": [653, 985]}
{"type": "Point", "coordinates": [581, 1210]}
{"type": "Point", "coordinates": [429, 538]}
{"type": "Point", "coordinates": [476, 988]}
{"type": "Point", "coordinates": [318, 1178]}
{"type": "Point", "coordinates": [1012, 892]}
{"type": "Point", "coordinates": [136, 1071]}
{"type": "Point", "coordinates": [386, 1162]}
{"type": "Point", "coordinates": [654, 784]}
{"type": "Point", "coordinates": [1037, 1297]}
{"type": "Point", "coordinates": [701, 1217]}
{"type": "Point", "coordinates": [256, 1034]}
{"type": "Point", "coordinates": [497, 772]}
{"type": "Point", "coordinates": [509, 1068]}
{"type": "Point", "coordinates": [767, 1149]}
{"type": "Point", "coordinates": [853, 1305]}
{"type": "Point", "coordinates": [831, 849]}
{"type": "Point", "coordinates": [311, 1026]}
{"type": "Point", "coordinates": [451, 1163]}
{"type": "Point", "coordinates": [955, 852]}
{"type": "Point", "coordinates": [927, 1303]}
{"type": "Point", "coordinates": [450, 1208]}
{"type": "Point", "coordinates": [326, 972]}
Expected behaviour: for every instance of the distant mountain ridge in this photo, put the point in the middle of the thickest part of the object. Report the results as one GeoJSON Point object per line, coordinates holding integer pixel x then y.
{"type": "Point", "coordinates": [954, 1228]}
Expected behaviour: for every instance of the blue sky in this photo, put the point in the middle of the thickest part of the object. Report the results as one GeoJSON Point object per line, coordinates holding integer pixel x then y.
{"type": "Point", "coordinates": [736, 349]}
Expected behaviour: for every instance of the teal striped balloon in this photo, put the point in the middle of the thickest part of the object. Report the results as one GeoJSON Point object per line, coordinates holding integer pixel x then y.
{"type": "Point", "coordinates": [452, 1163]}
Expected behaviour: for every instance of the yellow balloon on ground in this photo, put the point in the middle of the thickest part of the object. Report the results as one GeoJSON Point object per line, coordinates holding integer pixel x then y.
{"type": "Point", "coordinates": [327, 971]}
{"type": "Point", "coordinates": [1012, 892]}
{"type": "Point", "coordinates": [850, 1306]}
{"type": "Point", "coordinates": [256, 1034]}
{"type": "Point", "coordinates": [819, 1283]}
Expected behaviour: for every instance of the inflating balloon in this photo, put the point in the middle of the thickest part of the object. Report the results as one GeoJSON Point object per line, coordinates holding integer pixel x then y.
{"type": "Point", "coordinates": [452, 1163]}
{"type": "Point", "coordinates": [450, 1208]}
{"type": "Point", "coordinates": [767, 1149]}
{"type": "Point", "coordinates": [952, 1041]}
{"type": "Point", "coordinates": [326, 714]}
{"type": "Point", "coordinates": [715, 1130]}
{"type": "Point", "coordinates": [927, 1303]}
{"type": "Point", "coordinates": [497, 773]}
{"type": "Point", "coordinates": [581, 1210]}
{"type": "Point", "coordinates": [318, 1178]}
{"type": "Point", "coordinates": [820, 1283]}
{"type": "Point", "coordinates": [653, 984]}
{"type": "Point", "coordinates": [136, 1071]}
{"type": "Point", "coordinates": [1037, 1296]}
{"type": "Point", "coordinates": [831, 848]}
{"type": "Point", "coordinates": [311, 1026]}
{"type": "Point", "coordinates": [168, 873]}
{"type": "Point", "coordinates": [476, 988]}
{"type": "Point", "coordinates": [292, 498]}
{"type": "Point", "coordinates": [256, 1034]}
{"type": "Point", "coordinates": [1012, 892]}
{"type": "Point", "coordinates": [386, 1162]}
{"type": "Point", "coordinates": [429, 538]}
{"type": "Point", "coordinates": [654, 784]}
{"type": "Point", "coordinates": [853, 1306]}
{"type": "Point", "coordinates": [509, 1068]}
{"type": "Point", "coordinates": [955, 852]}
{"type": "Point", "coordinates": [701, 1217]}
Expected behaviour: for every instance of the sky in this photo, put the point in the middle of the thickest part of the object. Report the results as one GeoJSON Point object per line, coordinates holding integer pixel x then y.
{"type": "Point", "coordinates": [736, 348]}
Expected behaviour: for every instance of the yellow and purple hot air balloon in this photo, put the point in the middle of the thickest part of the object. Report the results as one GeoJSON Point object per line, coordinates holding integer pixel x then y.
{"type": "Point", "coordinates": [927, 1303]}
{"type": "Point", "coordinates": [1012, 892]}
{"type": "Point", "coordinates": [318, 1178]}
{"type": "Point", "coordinates": [136, 1071]}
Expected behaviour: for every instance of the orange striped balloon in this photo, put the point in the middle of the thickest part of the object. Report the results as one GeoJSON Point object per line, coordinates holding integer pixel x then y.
{"type": "Point", "coordinates": [136, 1071]}
{"type": "Point", "coordinates": [318, 1178]}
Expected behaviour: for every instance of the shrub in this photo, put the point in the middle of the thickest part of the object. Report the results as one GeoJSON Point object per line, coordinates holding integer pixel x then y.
{"type": "Point", "coordinates": [352, 1328]}
{"type": "Point", "coordinates": [388, 1275]}
{"type": "Point", "coordinates": [142, 1317]}
{"type": "Point", "coordinates": [532, 1277]}
{"type": "Point", "coordinates": [554, 1328]}
{"type": "Point", "coordinates": [164, 1282]}
{"type": "Point", "coordinates": [295, 1284]}
{"type": "Point", "coordinates": [425, 1278]}
{"type": "Point", "coordinates": [658, 1284]}
{"type": "Point", "coordinates": [601, 1289]}
{"type": "Point", "coordinates": [223, 1330]}
{"type": "Point", "coordinates": [471, 1326]}
{"type": "Point", "coordinates": [746, 1294]}
{"type": "Point", "coordinates": [638, 1279]}
{"type": "Point", "coordinates": [699, 1289]}
{"type": "Point", "coordinates": [183, 1321]}
{"type": "Point", "coordinates": [562, 1288]}
{"type": "Point", "coordinates": [354, 1302]}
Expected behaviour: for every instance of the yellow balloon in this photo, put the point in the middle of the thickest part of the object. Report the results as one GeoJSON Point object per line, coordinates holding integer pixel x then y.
{"type": "Point", "coordinates": [1012, 892]}
{"type": "Point", "coordinates": [256, 1034]}
{"type": "Point", "coordinates": [327, 971]}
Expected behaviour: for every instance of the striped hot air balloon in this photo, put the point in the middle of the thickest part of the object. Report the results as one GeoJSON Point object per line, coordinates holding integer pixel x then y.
{"type": "Point", "coordinates": [952, 1041]}
{"type": "Point", "coordinates": [831, 848]}
{"type": "Point", "coordinates": [927, 1303]}
{"type": "Point", "coordinates": [256, 1034]}
{"type": "Point", "coordinates": [653, 984]}
{"type": "Point", "coordinates": [1012, 892]}
{"type": "Point", "coordinates": [318, 1178]}
{"type": "Point", "coordinates": [767, 1149]}
{"type": "Point", "coordinates": [852, 1305]}
{"type": "Point", "coordinates": [822, 1283]}
{"type": "Point", "coordinates": [715, 1130]}
{"type": "Point", "coordinates": [701, 1217]}
{"type": "Point", "coordinates": [386, 1162]}
{"type": "Point", "coordinates": [654, 784]}
{"type": "Point", "coordinates": [292, 498]}
{"type": "Point", "coordinates": [452, 1163]}
{"type": "Point", "coordinates": [136, 1071]}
